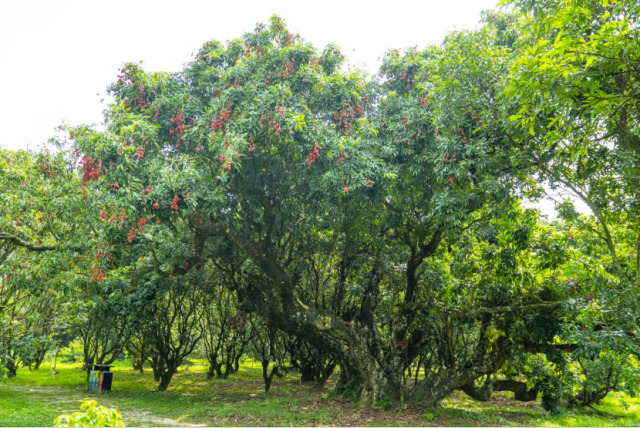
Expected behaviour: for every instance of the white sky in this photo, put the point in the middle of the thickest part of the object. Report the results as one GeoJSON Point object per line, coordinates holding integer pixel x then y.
{"type": "Point", "coordinates": [57, 56]}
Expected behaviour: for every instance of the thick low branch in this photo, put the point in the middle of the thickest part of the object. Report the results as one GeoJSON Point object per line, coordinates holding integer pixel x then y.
{"type": "Point", "coordinates": [439, 385]}
{"type": "Point", "coordinates": [566, 348]}
{"type": "Point", "coordinates": [503, 309]}
{"type": "Point", "coordinates": [484, 392]}
{"type": "Point", "coordinates": [22, 243]}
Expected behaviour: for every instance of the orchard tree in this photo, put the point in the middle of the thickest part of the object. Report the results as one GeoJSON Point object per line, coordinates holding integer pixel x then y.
{"type": "Point", "coordinates": [235, 147]}
{"type": "Point", "coordinates": [43, 260]}
{"type": "Point", "coordinates": [327, 202]}
{"type": "Point", "coordinates": [564, 97]}
{"type": "Point", "coordinates": [573, 82]}
{"type": "Point", "coordinates": [225, 333]}
{"type": "Point", "coordinates": [175, 314]}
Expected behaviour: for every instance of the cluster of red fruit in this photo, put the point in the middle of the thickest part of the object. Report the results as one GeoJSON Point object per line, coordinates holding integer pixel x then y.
{"type": "Point", "coordinates": [280, 110]}
{"type": "Point", "coordinates": [147, 190]}
{"type": "Point", "coordinates": [132, 232]}
{"type": "Point", "coordinates": [228, 162]}
{"type": "Point", "coordinates": [314, 152]}
{"type": "Point", "coordinates": [274, 126]}
{"type": "Point", "coordinates": [91, 169]}
{"type": "Point", "coordinates": [287, 70]}
{"type": "Point", "coordinates": [282, 36]}
{"type": "Point", "coordinates": [347, 112]}
{"type": "Point", "coordinates": [97, 274]}
{"type": "Point", "coordinates": [346, 189]}
{"type": "Point", "coordinates": [128, 74]}
{"type": "Point", "coordinates": [344, 156]}
{"type": "Point", "coordinates": [464, 138]}
{"type": "Point", "coordinates": [140, 153]}
{"type": "Point", "coordinates": [232, 83]}
{"type": "Point", "coordinates": [48, 166]}
{"type": "Point", "coordinates": [475, 116]}
{"type": "Point", "coordinates": [407, 75]}
{"type": "Point", "coordinates": [448, 159]}
{"type": "Point", "coordinates": [217, 123]}
{"type": "Point", "coordinates": [142, 222]}
{"type": "Point", "coordinates": [178, 122]}
{"type": "Point", "coordinates": [113, 186]}
{"type": "Point", "coordinates": [174, 203]}
{"type": "Point", "coordinates": [123, 217]}
{"type": "Point", "coordinates": [405, 121]}
{"type": "Point", "coordinates": [142, 101]}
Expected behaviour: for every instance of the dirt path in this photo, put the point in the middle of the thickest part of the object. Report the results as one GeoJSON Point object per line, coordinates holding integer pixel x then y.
{"type": "Point", "coordinates": [67, 400]}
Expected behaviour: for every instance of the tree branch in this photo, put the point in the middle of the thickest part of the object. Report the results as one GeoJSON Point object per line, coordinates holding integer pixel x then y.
{"type": "Point", "coordinates": [25, 244]}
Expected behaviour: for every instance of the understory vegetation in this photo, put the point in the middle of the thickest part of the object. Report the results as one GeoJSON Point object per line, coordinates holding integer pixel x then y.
{"type": "Point", "coordinates": [36, 398]}
{"type": "Point", "coordinates": [371, 237]}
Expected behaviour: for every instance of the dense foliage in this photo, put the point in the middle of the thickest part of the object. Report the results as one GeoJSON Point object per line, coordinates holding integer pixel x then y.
{"type": "Point", "coordinates": [266, 202]}
{"type": "Point", "coordinates": [94, 416]}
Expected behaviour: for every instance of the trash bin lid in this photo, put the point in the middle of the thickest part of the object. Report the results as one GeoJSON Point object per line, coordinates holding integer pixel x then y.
{"type": "Point", "coordinates": [104, 367]}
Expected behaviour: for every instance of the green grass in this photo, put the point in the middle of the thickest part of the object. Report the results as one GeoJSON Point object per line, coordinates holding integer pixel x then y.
{"type": "Point", "coordinates": [17, 409]}
{"type": "Point", "coordinates": [35, 398]}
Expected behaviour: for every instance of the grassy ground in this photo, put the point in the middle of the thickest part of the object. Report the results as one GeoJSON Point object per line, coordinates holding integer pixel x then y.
{"type": "Point", "coordinates": [35, 398]}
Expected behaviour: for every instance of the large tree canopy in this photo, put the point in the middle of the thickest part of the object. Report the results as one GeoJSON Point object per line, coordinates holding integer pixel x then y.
{"type": "Point", "coordinates": [369, 222]}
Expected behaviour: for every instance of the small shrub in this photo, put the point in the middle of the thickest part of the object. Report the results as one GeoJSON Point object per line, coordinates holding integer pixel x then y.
{"type": "Point", "coordinates": [94, 416]}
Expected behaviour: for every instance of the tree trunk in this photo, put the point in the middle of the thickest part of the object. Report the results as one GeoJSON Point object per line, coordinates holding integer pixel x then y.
{"type": "Point", "coordinates": [219, 373]}
{"type": "Point", "coordinates": [326, 373]}
{"type": "Point", "coordinates": [236, 363]}
{"type": "Point", "coordinates": [39, 358]}
{"type": "Point", "coordinates": [12, 369]}
{"type": "Point", "coordinates": [211, 371]}
{"type": "Point", "coordinates": [157, 365]}
{"type": "Point", "coordinates": [165, 379]}
{"type": "Point", "coordinates": [88, 365]}
{"type": "Point", "coordinates": [266, 376]}
{"type": "Point", "coordinates": [357, 351]}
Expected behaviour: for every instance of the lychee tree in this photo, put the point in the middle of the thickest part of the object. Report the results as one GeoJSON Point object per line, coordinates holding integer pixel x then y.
{"type": "Point", "coordinates": [244, 145]}
{"type": "Point", "coordinates": [43, 260]}
{"type": "Point", "coordinates": [304, 187]}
